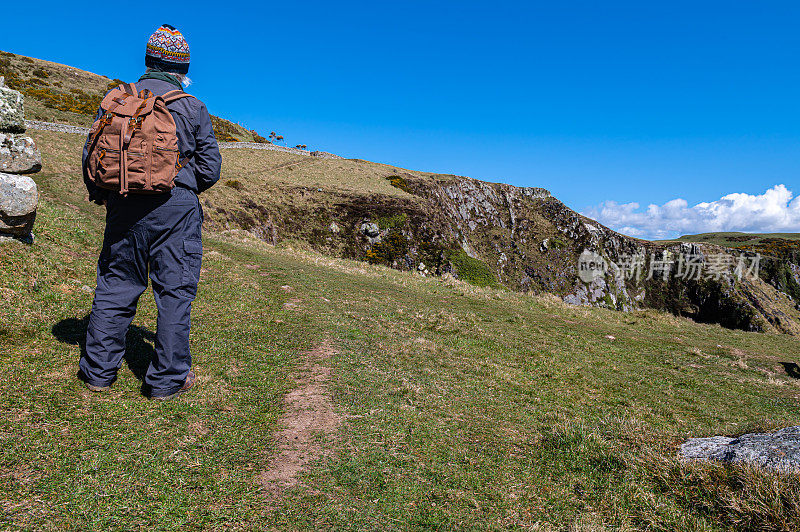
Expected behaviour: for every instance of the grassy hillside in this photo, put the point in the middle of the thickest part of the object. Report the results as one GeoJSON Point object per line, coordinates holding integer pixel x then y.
{"type": "Point", "coordinates": [429, 403]}
{"type": "Point", "coordinates": [59, 93]}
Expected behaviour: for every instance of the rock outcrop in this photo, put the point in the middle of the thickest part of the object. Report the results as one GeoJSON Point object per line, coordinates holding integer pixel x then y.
{"type": "Point", "coordinates": [18, 155]}
{"type": "Point", "coordinates": [12, 111]}
{"type": "Point", "coordinates": [18, 201]}
{"type": "Point", "coordinates": [533, 242]}
{"type": "Point", "coordinates": [525, 239]}
{"type": "Point", "coordinates": [777, 450]}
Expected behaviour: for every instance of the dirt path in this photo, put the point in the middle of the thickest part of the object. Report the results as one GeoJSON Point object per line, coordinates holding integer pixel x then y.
{"type": "Point", "coordinates": [308, 424]}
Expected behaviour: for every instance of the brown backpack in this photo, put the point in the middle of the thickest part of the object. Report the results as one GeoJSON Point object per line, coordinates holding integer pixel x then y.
{"type": "Point", "coordinates": [133, 146]}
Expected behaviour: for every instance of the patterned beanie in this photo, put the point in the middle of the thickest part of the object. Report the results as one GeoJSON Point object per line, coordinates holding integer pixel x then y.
{"type": "Point", "coordinates": [167, 51]}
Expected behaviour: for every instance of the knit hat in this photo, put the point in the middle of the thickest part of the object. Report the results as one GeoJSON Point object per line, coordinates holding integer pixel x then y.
{"type": "Point", "coordinates": [167, 51]}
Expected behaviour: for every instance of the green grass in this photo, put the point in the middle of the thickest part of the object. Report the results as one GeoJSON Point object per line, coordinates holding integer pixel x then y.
{"type": "Point", "coordinates": [462, 407]}
{"type": "Point", "coordinates": [393, 221]}
{"type": "Point", "coordinates": [472, 270]}
{"type": "Point", "coordinates": [735, 239]}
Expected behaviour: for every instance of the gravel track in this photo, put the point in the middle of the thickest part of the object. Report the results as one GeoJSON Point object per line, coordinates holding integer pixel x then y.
{"type": "Point", "coordinates": [66, 128]}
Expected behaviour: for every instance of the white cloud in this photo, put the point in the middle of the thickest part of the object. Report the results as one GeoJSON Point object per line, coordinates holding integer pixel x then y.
{"type": "Point", "coordinates": [776, 210]}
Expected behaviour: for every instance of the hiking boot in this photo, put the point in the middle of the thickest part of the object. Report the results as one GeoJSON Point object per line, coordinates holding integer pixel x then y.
{"type": "Point", "coordinates": [94, 388]}
{"type": "Point", "coordinates": [191, 378]}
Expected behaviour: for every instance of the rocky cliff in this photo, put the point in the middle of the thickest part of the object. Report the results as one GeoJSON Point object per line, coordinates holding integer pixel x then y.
{"type": "Point", "coordinates": [523, 239]}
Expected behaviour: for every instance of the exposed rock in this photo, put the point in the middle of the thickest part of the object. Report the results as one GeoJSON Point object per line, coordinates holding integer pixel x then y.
{"type": "Point", "coordinates": [591, 265]}
{"type": "Point", "coordinates": [591, 293]}
{"type": "Point", "coordinates": [777, 450]}
{"type": "Point", "coordinates": [370, 229]}
{"type": "Point", "coordinates": [692, 250]}
{"type": "Point", "coordinates": [18, 154]}
{"type": "Point", "coordinates": [18, 200]}
{"type": "Point", "coordinates": [530, 241]}
{"type": "Point", "coordinates": [474, 202]}
{"type": "Point", "coordinates": [12, 111]}
{"type": "Point", "coordinates": [325, 155]}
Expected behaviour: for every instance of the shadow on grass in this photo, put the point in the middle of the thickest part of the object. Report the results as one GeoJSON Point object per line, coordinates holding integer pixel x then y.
{"type": "Point", "coordinates": [139, 350]}
{"type": "Point", "coordinates": [792, 369]}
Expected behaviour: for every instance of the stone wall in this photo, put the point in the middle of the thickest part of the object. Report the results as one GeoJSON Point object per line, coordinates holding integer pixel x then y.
{"type": "Point", "coordinates": [18, 156]}
{"type": "Point", "coordinates": [67, 128]}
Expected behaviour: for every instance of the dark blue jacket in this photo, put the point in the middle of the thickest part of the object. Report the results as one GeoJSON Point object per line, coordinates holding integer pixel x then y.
{"type": "Point", "coordinates": [195, 137]}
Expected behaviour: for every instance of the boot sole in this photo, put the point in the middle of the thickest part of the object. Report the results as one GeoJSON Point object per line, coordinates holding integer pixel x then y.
{"type": "Point", "coordinates": [168, 397]}
{"type": "Point", "coordinates": [173, 395]}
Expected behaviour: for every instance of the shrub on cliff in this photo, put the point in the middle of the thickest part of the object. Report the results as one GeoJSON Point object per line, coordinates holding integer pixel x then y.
{"type": "Point", "coordinates": [472, 270]}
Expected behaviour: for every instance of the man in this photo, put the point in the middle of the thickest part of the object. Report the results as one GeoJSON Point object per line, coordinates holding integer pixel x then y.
{"type": "Point", "coordinates": [157, 233]}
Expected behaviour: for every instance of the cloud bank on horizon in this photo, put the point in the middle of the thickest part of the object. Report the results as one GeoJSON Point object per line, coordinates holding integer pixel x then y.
{"type": "Point", "coordinates": [774, 211]}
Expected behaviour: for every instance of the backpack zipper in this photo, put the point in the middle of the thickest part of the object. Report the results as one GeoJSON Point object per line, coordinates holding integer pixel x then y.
{"type": "Point", "coordinates": [110, 150]}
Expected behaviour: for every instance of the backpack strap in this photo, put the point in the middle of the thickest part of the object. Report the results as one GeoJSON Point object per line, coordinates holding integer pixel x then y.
{"type": "Point", "coordinates": [183, 161]}
{"type": "Point", "coordinates": [127, 91]}
{"type": "Point", "coordinates": [175, 95]}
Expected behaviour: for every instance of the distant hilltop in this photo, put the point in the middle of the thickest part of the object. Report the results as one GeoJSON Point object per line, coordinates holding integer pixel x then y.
{"type": "Point", "coordinates": [735, 239]}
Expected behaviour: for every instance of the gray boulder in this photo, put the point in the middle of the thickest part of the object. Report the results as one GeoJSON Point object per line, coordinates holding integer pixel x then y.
{"type": "Point", "coordinates": [18, 200]}
{"type": "Point", "coordinates": [776, 450]}
{"type": "Point", "coordinates": [12, 111]}
{"type": "Point", "coordinates": [325, 155]}
{"type": "Point", "coordinates": [18, 154]}
{"type": "Point", "coordinates": [371, 231]}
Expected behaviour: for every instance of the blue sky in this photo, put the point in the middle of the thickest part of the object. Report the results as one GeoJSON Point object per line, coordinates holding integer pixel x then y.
{"type": "Point", "coordinates": [603, 103]}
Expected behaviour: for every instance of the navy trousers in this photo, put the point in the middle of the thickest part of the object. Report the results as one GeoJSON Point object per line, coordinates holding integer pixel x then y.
{"type": "Point", "coordinates": [158, 236]}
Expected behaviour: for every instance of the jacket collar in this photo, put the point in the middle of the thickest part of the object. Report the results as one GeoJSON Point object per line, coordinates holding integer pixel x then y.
{"type": "Point", "coordinates": [163, 76]}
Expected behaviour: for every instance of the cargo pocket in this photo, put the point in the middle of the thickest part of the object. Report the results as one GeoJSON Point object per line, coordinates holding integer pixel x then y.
{"type": "Point", "coordinates": [193, 256]}
{"type": "Point", "coordinates": [117, 258]}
